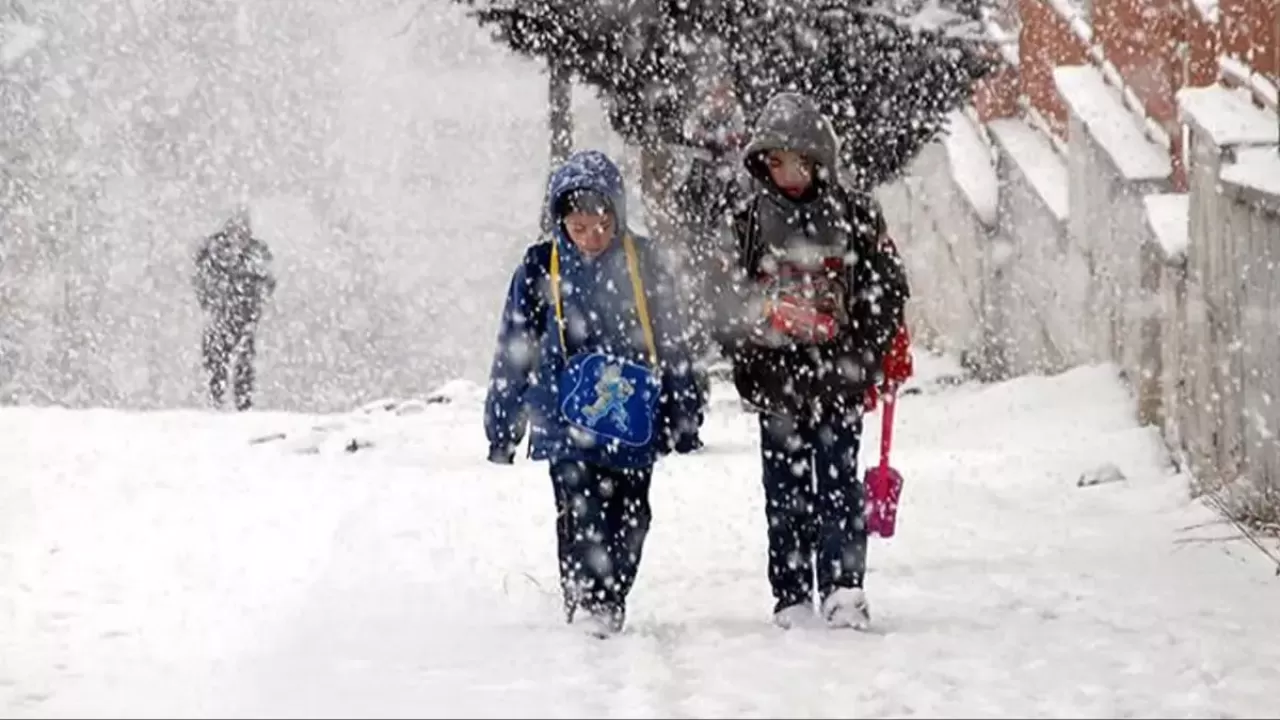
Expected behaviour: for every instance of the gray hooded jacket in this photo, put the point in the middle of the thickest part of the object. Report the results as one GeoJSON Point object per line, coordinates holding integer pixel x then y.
{"type": "Point", "coordinates": [776, 372]}
{"type": "Point", "coordinates": [805, 230]}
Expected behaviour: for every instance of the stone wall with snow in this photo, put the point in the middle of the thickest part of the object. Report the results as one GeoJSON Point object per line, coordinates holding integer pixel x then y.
{"type": "Point", "coordinates": [1037, 328]}
{"type": "Point", "coordinates": [1228, 420]}
{"type": "Point", "coordinates": [949, 258]}
{"type": "Point", "coordinates": [981, 220]}
{"type": "Point", "coordinates": [1114, 167]}
{"type": "Point", "coordinates": [1083, 251]}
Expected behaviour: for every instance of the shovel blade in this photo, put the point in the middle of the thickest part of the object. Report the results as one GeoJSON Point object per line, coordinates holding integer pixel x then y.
{"type": "Point", "coordinates": [884, 488]}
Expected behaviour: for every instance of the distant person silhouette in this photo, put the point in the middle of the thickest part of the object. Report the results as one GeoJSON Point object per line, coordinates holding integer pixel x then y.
{"type": "Point", "coordinates": [232, 281]}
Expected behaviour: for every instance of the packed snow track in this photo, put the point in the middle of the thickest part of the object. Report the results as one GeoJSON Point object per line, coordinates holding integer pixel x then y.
{"type": "Point", "coordinates": [373, 564]}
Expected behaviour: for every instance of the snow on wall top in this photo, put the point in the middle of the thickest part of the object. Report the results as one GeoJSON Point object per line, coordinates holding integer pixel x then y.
{"type": "Point", "coordinates": [1257, 169]}
{"type": "Point", "coordinates": [1037, 160]}
{"type": "Point", "coordinates": [16, 40]}
{"type": "Point", "coordinates": [1227, 117]}
{"type": "Point", "coordinates": [1208, 9]}
{"type": "Point", "coordinates": [1241, 75]}
{"type": "Point", "coordinates": [971, 166]}
{"type": "Point", "coordinates": [1168, 216]}
{"type": "Point", "coordinates": [1099, 107]}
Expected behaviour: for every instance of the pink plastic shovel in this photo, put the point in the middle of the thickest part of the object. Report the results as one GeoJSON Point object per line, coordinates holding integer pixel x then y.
{"type": "Point", "coordinates": [883, 483]}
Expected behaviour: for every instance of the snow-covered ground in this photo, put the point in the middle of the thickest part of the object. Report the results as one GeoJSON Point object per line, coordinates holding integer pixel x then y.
{"type": "Point", "coordinates": [163, 563]}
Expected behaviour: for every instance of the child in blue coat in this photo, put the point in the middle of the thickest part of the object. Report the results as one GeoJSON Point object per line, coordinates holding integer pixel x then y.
{"type": "Point", "coordinates": [592, 359]}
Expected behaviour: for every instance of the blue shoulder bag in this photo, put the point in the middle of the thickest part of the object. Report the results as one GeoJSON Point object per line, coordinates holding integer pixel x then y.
{"type": "Point", "coordinates": [606, 399]}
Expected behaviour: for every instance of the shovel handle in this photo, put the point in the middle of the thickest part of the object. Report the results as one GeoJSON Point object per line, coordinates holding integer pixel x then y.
{"type": "Point", "coordinates": [886, 424]}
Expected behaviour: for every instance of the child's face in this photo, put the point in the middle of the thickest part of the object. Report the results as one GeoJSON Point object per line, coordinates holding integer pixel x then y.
{"type": "Point", "coordinates": [791, 172]}
{"type": "Point", "coordinates": [590, 232]}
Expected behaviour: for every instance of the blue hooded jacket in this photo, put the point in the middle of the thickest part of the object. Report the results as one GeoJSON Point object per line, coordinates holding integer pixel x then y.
{"type": "Point", "coordinates": [601, 315]}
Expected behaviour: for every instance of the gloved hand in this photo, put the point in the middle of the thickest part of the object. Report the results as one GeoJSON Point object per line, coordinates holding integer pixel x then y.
{"type": "Point", "coordinates": [897, 367]}
{"type": "Point", "coordinates": [502, 455]}
{"type": "Point", "coordinates": [687, 443]}
{"type": "Point", "coordinates": [678, 438]}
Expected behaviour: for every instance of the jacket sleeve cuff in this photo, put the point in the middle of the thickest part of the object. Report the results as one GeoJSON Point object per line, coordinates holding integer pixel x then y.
{"type": "Point", "coordinates": [687, 443]}
{"type": "Point", "coordinates": [502, 454]}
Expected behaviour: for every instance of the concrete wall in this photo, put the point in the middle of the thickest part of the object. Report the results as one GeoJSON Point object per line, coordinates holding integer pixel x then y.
{"type": "Point", "coordinates": [947, 260]}
{"type": "Point", "coordinates": [1093, 256]}
{"type": "Point", "coordinates": [1227, 420]}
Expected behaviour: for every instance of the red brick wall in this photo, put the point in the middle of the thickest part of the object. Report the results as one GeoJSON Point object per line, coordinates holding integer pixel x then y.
{"type": "Point", "coordinates": [1248, 30]}
{"type": "Point", "coordinates": [996, 95]}
{"type": "Point", "coordinates": [1202, 45]}
{"type": "Point", "coordinates": [1157, 46]}
{"type": "Point", "coordinates": [1045, 42]}
{"type": "Point", "coordinates": [1140, 38]}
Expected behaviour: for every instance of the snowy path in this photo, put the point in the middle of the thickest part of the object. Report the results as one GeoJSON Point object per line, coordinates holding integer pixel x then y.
{"type": "Point", "coordinates": [157, 563]}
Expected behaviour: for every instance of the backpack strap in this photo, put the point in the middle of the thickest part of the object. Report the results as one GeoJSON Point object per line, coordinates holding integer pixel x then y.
{"type": "Point", "coordinates": [637, 288]}
{"type": "Point", "coordinates": [642, 303]}
{"type": "Point", "coordinates": [555, 295]}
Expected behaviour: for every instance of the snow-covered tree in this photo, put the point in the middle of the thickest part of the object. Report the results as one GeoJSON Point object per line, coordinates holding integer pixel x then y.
{"type": "Point", "coordinates": [887, 72]}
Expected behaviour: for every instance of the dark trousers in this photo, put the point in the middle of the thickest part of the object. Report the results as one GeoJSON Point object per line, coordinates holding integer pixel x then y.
{"type": "Point", "coordinates": [229, 349]}
{"type": "Point", "coordinates": [814, 505]}
{"type": "Point", "coordinates": [602, 519]}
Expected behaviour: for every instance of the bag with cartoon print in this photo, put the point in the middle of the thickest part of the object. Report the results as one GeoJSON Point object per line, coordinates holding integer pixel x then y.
{"type": "Point", "coordinates": [607, 399]}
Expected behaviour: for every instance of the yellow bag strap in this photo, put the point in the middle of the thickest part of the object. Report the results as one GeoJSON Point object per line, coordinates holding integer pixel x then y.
{"type": "Point", "coordinates": [555, 293]}
{"type": "Point", "coordinates": [642, 303]}
{"type": "Point", "coordinates": [637, 288]}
